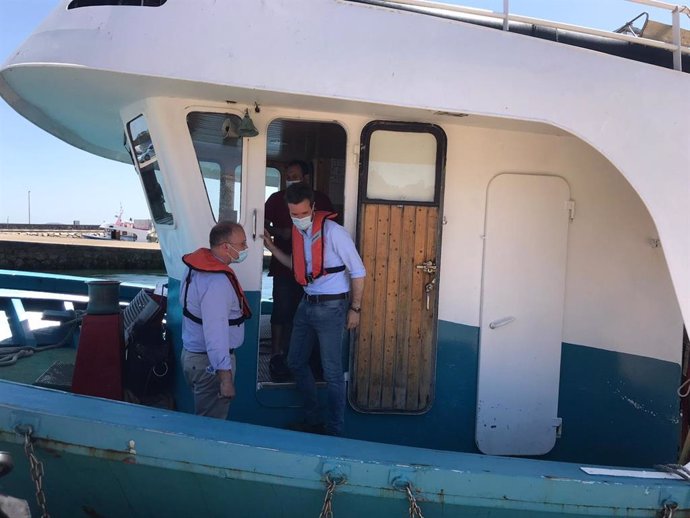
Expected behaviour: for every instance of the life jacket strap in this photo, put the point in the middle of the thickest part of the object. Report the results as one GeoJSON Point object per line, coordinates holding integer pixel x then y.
{"type": "Point", "coordinates": [196, 319]}
{"type": "Point", "coordinates": [332, 269]}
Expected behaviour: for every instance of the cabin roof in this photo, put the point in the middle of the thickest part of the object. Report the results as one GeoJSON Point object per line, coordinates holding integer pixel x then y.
{"type": "Point", "coordinates": [641, 51]}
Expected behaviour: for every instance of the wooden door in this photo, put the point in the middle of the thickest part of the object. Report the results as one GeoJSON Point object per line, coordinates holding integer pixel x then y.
{"type": "Point", "coordinates": [394, 354]}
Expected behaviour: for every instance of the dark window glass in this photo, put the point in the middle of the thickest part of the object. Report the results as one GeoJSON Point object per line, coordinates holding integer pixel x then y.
{"type": "Point", "coordinates": [151, 176]}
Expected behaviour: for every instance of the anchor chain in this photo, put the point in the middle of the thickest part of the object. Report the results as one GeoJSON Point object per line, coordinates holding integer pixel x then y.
{"type": "Point", "coordinates": [415, 511]}
{"type": "Point", "coordinates": [331, 484]}
{"type": "Point", "coordinates": [668, 510]}
{"type": "Point", "coordinates": [36, 471]}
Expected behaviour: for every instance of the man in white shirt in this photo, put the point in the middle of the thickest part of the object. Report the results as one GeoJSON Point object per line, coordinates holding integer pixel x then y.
{"type": "Point", "coordinates": [214, 308]}
{"type": "Point", "coordinates": [325, 262]}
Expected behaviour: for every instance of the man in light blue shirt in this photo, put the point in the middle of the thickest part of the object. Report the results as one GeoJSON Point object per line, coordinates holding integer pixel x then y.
{"type": "Point", "coordinates": [325, 261]}
{"type": "Point", "coordinates": [214, 309]}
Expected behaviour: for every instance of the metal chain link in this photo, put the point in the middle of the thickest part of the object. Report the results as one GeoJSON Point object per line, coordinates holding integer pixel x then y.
{"type": "Point", "coordinates": [331, 484]}
{"type": "Point", "coordinates": [669, 510]}
{"type": "Point", "coordinates": [36, 471]}
{"type": "Point", "coordinates": [415, 511]}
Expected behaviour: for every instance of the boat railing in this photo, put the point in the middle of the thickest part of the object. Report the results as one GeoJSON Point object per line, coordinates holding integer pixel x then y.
{"type": "Point", "coordinates": [506, 16]}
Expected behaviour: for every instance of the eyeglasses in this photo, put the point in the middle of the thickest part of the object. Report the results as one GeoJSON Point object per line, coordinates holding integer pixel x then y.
{"type": "Point", "coordinates": [243, 244]}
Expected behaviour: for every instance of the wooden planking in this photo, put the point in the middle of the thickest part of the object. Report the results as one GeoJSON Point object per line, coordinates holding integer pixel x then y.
{"type": "Point", "coordinates": [379, 309]}
{"type": "Point", "coordinates": [394, 358]}
{"type": "Point", "coordinates": [429, 317]}
{"type": "Point", "coordinates": [390, 341]}
{"type": "Point", "coordinates": [362, 351]}
{"type": "Point", "coordinates": [418, 300]}
{"type": "Point", "coordinates": [404, 307]}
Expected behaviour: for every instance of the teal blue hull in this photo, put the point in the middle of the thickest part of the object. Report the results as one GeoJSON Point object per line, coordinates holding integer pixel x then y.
{"type": "Point", "coordinates": [106, 458]}
{"type": "Point", "coordinates": [184, 465]}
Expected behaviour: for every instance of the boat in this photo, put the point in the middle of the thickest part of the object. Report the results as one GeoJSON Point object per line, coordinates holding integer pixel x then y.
{"type": "Point", "coordinates": [518, 191]}
{"type": "Point", "coordinates": [123, 230]}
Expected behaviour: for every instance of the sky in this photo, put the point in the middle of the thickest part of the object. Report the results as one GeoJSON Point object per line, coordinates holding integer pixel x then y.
{"type": "Point", "coordinates": [44, 180]}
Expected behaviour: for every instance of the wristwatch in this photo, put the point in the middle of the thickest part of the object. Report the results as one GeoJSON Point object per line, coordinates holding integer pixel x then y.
{"type": "Point", "coordinates": [356, 310]}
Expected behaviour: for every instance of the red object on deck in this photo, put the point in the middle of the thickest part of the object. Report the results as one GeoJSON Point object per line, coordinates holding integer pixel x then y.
{"type": "Point", "coordinates": [100, 357]}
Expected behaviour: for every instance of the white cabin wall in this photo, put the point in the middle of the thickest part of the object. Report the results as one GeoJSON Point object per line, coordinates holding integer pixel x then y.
{"type": "Point", "coordinates": [619, 294]}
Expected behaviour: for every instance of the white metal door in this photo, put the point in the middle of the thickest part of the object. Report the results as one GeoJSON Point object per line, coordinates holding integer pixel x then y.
{"type": "Point", "coordinates": [523, 290]}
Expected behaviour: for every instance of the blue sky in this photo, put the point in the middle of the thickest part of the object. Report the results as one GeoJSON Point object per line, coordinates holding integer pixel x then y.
{"type": "Point", "coordinates": [68, 184]}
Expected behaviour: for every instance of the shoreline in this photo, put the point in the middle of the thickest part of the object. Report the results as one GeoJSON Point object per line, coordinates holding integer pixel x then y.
{"type": "Point", "coordinates": [53, 238]}
{"type": "Point", "coordinates": [50, 253]}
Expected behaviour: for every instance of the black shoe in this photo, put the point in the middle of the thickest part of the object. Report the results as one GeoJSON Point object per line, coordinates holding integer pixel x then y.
{"type": "Point", "coordinates": [278, 369]}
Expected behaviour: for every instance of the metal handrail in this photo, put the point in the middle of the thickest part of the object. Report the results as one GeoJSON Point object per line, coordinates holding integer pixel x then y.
{"type": "Point", "coordinates": [676, 10]}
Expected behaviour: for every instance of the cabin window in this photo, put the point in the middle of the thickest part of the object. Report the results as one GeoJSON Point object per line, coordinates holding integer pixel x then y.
{"type": "Point", "coordinates": [151, 177]}
{"type": "Point", "coordinates": [218, 149]}
{"type": "Point", "coordinates": [74, 4]}
{"type": "Point", "coordinates": [402, 166]}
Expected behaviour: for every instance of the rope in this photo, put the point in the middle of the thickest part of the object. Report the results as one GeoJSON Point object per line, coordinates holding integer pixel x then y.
{"type": "Point", "coordinates": [684, 389]}
{"type": "Point", "coordinates": [675, 469]}
{"type": "Point", "coordinates": [10, 355]}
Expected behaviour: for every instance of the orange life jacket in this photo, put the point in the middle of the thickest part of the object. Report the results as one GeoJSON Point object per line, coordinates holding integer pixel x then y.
{"type": "Point", "coordinates": [203, 260]}
{"type": "Point", "coordinates": [299, 261]}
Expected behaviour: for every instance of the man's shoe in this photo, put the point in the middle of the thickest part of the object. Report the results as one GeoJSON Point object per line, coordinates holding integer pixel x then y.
{"type": "Point", "coordinates": [278, 369]}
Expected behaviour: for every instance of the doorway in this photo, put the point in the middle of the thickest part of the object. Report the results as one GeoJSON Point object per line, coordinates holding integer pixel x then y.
{"type": "Point", "coordinates": [318, 150]}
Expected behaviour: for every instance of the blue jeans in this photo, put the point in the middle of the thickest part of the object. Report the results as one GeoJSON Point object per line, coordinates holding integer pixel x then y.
{"type": "Point", "coordinates": [325, 321]}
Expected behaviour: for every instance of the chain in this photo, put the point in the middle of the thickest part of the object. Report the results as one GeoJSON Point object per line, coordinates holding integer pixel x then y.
{"type": "Point", "coordinates": [331, 484]}
{"type": "Point", "coordinates": [36, 470]}
{"type": "Point", "coordinates": [415, 511]}
{"type": "Point", "coordinates": [669, 510]}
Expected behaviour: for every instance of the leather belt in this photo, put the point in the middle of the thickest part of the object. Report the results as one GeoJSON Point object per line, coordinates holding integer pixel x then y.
{"type": "Point", "coordinates": [232, 352]}
{"type": "Point", "coordinates": [315, 299]}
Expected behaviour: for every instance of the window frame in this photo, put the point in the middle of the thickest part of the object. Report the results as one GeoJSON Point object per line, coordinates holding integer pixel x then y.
{"type": "Point", "coordinates": [402, 127]}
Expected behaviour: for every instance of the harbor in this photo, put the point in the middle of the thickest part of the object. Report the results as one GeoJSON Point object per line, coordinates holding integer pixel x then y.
{"type": "Point", "coordinates": [56, 249]}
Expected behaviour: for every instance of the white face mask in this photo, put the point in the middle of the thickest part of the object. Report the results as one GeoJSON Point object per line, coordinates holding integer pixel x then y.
{"type": "Point", "coordinates": [302, 223]}
{"type": "Point", "coordinates": [242, 254]}
{"type": "Point", "coordinates": [288, 183]}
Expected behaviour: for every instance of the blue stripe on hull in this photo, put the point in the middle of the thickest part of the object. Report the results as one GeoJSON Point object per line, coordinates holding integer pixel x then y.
{"type": "Point", "coordinates": [617, 409]}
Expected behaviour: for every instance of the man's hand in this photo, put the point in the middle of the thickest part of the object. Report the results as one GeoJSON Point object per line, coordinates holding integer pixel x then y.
{"type": "Point", "coordinates": [268, 241]}
{"type": "Point", "coordinates": [352, 319]}
{"type": "Point", "coordinates": [283, 258]}
{"type": "Point", "coordinates": [227, 387]}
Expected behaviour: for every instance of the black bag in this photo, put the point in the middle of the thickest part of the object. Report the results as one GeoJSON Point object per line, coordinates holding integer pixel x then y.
{"type": "Point", "coordinates": [149, 362]}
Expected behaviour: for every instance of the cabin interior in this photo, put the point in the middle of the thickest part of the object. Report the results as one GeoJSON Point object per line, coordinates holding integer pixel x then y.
{"type": "Point", "coordinates": [517, 300]}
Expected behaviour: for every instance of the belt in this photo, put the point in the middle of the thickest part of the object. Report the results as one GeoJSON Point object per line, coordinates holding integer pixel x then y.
{"type": "Point", "coordinates": [232, 352]}
{"type": "Point", "coordinates": [315, 299]}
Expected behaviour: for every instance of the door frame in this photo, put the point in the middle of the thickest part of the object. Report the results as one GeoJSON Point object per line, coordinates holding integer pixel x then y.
{"type": "Point", "coordinates": [440, 169]}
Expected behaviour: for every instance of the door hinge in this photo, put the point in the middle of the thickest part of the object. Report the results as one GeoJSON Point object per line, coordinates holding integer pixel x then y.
{"type": "Point", "coordinates": [570, 206]}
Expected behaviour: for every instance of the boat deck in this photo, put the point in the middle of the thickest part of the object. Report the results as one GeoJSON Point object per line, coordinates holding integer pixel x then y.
{"type": "Point", "coordinates": [30, 370]}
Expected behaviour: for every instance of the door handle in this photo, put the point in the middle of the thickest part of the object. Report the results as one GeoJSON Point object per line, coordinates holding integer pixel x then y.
{"type": "Point", "coordinates": [501, 322]}
{"type": "Point", "coordinates": [427, 266]}
{"type": "Point", "coordinates": [254, 218]}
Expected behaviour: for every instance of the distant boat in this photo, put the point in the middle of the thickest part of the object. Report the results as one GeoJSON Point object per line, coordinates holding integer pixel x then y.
{"type": "Point", "coordinates": [132, 230]}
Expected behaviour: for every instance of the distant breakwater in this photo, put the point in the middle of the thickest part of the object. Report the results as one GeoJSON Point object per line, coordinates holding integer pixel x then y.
{"type": "Point", "coordinates": [52, 255]}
